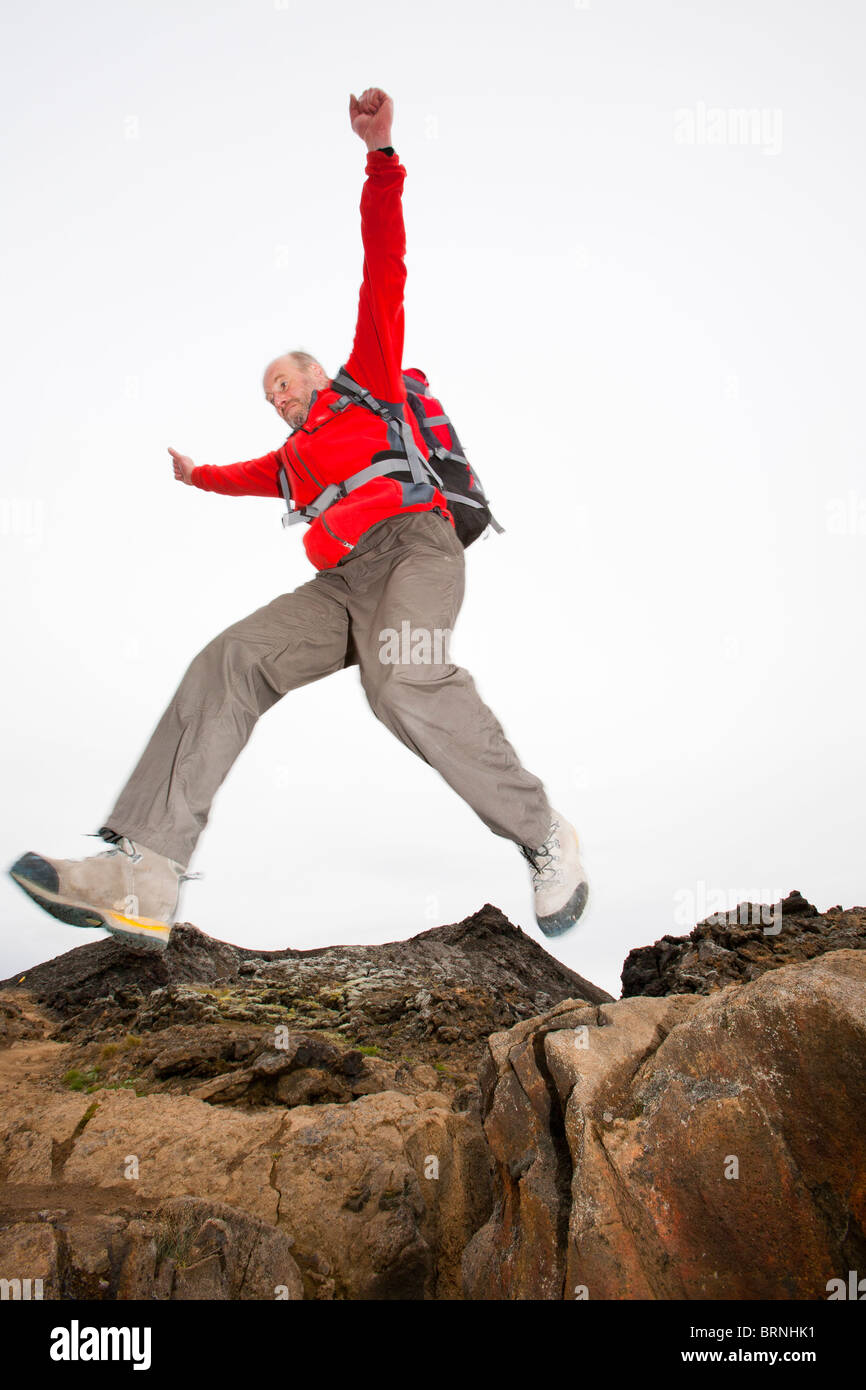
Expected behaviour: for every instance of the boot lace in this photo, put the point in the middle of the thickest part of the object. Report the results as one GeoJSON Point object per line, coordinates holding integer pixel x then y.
{"type": "Point", "coordinates": [121, 844]}
{"type": "Point", "coordinates": [545, 861]}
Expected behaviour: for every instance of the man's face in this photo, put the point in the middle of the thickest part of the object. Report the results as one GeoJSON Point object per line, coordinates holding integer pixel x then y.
{"type": "Point", "coordinates": [289, 390]}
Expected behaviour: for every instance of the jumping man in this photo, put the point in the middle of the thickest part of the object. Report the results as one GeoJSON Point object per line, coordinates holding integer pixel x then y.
{"type": "Point", "coordinates": [386, 554]}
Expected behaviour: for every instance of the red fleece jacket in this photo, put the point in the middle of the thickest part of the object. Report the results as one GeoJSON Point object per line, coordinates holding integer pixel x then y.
{"type": "Point", "coordinates": [330, 447]}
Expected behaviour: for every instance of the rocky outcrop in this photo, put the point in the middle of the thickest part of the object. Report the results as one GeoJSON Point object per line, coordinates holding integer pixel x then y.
{"type": "Point", "coordinates": [689, 1146]}
{"type": "Point", "coordinates": [457, 1115]}
{"type": "Point", "coordinates": [446, 988]}
{"type": "Point", "coordinates": [740, 945]}
{"type": "Point", "coordinates": [376, 1199]}
{"type": "Point", "coordinates": [222, 1123]}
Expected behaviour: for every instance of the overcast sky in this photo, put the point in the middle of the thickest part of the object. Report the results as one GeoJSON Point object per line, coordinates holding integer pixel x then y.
{"type": "Point", "coordinates": [636, 281]}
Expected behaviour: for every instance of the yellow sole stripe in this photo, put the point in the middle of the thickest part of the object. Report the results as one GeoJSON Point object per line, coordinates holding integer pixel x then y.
{"type": "Point", "coordinates": [136, 922]}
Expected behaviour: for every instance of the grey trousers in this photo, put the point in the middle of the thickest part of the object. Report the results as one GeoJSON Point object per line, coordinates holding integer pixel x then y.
{"type": "Point", "coordinates": [381, 608]}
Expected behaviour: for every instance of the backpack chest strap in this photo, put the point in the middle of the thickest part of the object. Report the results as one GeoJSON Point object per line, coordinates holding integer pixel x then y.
{"type": "Point", "coordinates": [334, 491]}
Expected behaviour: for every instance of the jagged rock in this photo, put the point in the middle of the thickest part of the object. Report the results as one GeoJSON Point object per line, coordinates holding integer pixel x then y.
{"type": "Point", "coordinates": [307, 1071]}
{"type": "Point", "coordinates": [218, 1123]}
{"type": "Point", "coordinates": [305, 1092]}
{"type": "Point", "coordinates": [741, 945]}
{"type": "Point", "coordinates": [681, 1147]}
{"type": "Point", "coordinates": [449, 986]}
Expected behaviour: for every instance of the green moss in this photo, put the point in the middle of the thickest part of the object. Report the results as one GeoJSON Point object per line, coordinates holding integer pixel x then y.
{"type": "Point", "coordinates": [370, 1051]}
{"type": "Point", "coordinates": [331, 998]}
{"type": "Point", "coordinates": [78, 1080]}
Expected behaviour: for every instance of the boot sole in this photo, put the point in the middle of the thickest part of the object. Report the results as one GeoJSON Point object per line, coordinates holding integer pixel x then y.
{"type": "Point", "coordinates": [569, 916]}
{"type": "Point", "coordinates": [152, 935]}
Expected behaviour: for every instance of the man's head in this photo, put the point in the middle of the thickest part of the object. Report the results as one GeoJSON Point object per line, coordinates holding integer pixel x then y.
{"type": "Point", "coordinates": [289, 384]}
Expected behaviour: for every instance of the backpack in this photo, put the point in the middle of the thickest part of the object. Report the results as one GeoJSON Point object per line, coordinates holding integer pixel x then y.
{"type": "Point", "coordinates": [448, 468]}
{"type": "Point", "coordinates": [462, 488]}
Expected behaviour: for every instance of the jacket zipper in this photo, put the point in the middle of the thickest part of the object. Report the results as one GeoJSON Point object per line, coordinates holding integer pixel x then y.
{"type": "Point", "coordinates": [346, 544]}
{"type": "Point", "coordinates": [309, 472]}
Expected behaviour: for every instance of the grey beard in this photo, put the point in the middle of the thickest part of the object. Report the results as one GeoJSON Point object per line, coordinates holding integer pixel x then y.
{"type": "Point", "coordinates": [301, 412]}
{"type": "Point", "coordinates": [298, 416]}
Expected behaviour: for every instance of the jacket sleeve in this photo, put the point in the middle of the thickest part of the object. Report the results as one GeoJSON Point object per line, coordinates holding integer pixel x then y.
{"type": "Point", "coordinates": [377, 352]}
{"type": "Point", "coordinates": [255, 478]}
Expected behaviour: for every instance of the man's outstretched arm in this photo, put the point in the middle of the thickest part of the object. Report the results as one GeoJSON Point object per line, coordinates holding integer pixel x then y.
{"type": "Point", "coordinates": [255, 478]}
{"type": "Point", "coordinates": [376, 360]}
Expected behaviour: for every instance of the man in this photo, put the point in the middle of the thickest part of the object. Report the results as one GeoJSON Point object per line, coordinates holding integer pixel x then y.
{"type": "Point", "coordinates": [386, 553]}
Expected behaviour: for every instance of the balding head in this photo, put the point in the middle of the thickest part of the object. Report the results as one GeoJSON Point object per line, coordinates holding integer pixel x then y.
{"type": "Point", "coordinates": [289, 382]}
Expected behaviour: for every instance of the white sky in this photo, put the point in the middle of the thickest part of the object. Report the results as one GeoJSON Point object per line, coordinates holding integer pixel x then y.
{"type": "Point", "coordinates": [652, 349]}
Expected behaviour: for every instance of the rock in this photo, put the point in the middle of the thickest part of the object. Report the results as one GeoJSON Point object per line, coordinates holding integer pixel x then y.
{"type": "Point", "coordinates": [450, 985]}
{"type": "Point", "coordinates": [226, 1090]}
{"type": "Point", "coordinates": [299, 1172]}
{"type": "Point", "coordinates": [188, 1249]}
{"type": "Point", "coordinates": [219, 1252]}
{"type": "Point", "coordinates": [29, 1259]}
{"type": "Point", "coordinates": [388, 1189]}
{"type": "Point", "coordinates": [740, 946]}
{"type": "Point", "coordinates": [687, 1147]}
{"type": "Point", "coordinates": [311, 1086]}
{"type": "Point", "coordinates": [192, 1058]}
{"type": "Point", "coordinates": [456, 1115]}
{"type": "Point", "coordinates": [17, 1022]}
{"type": "Point", "coordinates": [88, 1242]}
{"type": "Point", "coordinates": [308, 1070]}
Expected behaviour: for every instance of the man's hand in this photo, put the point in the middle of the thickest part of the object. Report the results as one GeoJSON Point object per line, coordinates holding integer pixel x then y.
{"type": "Point", "coordinates": [371, 115]}
{"type": "Point", "coordinates": [183, 467]}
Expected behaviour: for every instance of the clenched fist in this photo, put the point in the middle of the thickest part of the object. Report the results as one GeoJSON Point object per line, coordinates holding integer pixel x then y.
{"type": "Point", "coordinates": [371, 115]}
{"type": "Point", "coordinates": [183, 467]}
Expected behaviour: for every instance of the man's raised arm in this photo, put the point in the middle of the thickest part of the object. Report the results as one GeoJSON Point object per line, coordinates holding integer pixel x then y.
{"type": "Point", "coordinates": [376, 361]}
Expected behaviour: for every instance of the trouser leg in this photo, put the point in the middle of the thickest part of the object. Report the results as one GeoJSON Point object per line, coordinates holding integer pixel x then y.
{"type": "Point", "coordinates": [296, 639]}
{"type": "Point", "coordinates": [432, 705]}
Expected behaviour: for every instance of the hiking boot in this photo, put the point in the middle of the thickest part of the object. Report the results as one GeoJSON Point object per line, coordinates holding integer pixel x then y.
{"type": "Point", "coordinates": [128, 890]}
{"type": "Point", "coordinates": [559, 881]}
